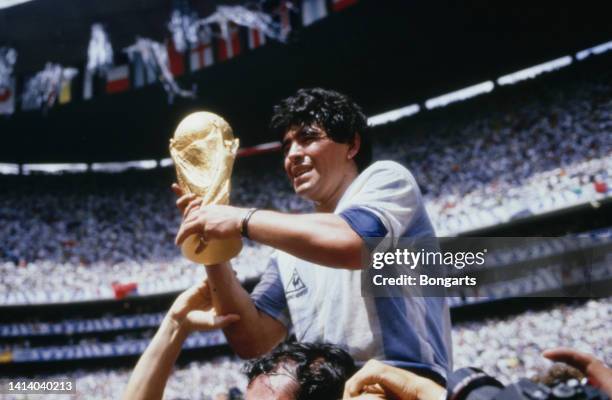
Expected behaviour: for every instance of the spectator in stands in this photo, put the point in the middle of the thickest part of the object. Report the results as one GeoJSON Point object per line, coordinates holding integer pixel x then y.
{"type": "Point", "coordinates": [327, 160]}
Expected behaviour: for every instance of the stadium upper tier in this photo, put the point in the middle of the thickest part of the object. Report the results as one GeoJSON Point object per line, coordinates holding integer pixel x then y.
{"type": "Point", "coordinates": [69, 238]}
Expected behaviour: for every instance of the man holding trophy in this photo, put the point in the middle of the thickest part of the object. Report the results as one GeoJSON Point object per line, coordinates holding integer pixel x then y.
{"type": "Point", "coordinates": [312, 285]}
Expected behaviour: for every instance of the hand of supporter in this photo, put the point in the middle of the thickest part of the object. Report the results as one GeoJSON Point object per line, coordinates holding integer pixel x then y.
{"type": "Point", "coordinates": [396, 383]}
{"type": "Point", "coordinates": [594, 369]}
{"type": "Point", "coordinates": [193, 311]}
{"type": "Point", "coordinates": [211, 222]}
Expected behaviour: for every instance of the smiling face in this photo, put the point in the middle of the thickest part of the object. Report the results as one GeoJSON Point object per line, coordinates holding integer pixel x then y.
{"type": "Point", "coordinates": [318, 168]}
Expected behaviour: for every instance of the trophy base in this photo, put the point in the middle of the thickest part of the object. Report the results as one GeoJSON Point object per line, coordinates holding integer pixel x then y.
{"type": "Point", "coordinates": [215, 252]}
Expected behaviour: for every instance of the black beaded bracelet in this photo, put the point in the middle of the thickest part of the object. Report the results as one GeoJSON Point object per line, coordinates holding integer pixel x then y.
{"type": "Point", "coordinates": [244, 227]}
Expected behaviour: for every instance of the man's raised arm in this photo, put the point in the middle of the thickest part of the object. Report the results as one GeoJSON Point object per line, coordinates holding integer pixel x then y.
{"type": "Point", "coordinates": [256, 333]}
{"type": "Point", "coordinates": [321, 238]}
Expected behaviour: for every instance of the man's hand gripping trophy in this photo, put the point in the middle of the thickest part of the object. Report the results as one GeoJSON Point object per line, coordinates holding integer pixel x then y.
{"type": "Point", "coordinates": [203, 150]}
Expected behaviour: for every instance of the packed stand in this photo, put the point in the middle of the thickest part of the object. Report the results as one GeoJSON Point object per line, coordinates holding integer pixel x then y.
{"type": "Point", "coordinates": [128, 344]}
{"type": "Point", "coordinates": [488, 167]}
{"type": "Point", "coordinates": [510, 348]}
{"type": "Point", "coordinates": [78, 237]}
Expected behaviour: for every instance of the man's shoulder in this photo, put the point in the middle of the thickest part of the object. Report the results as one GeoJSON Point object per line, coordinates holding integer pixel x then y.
{"type": "Point", "coordinates": [383, 186]}
{"type": "Point", "coordinates": [385, 171]}
{"type": "Point", "coordinates": [386, 166]}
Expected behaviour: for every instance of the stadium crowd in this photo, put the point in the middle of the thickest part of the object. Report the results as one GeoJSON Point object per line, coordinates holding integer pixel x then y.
{"type": "Point", "coordinates": [85, 233]}
{"type": "Point", "coordinates": [507, 348]}
{"type": "Point", "coordinates": [551, 152]}
{"type": "Point", "coordinates": [126, 344]}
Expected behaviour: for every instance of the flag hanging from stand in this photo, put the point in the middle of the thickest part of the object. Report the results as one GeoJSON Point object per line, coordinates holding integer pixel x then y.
{"type": "Point", "coordinates": [313, 10]}
{"type": "Point", "coordinates": [118, 79]}
{"type": "Point", "coordinates": [123, 290]}
{"type": "Point", "coordinates": [338, 5]}
{"type": "Point", "coordinates": [176, 60]}
{"type": "Point", "coordinates": [7, 97]}
{"type": "Point", "coordinates": [143, 73]}
{"type": "Point", "coordinates": [256, 38]}
{"type": "Point", "coordinates": [201, 55]}
{"type": "Point", "coordinates": [94, 83]}
{"type": "Point", "coordinates": [229, 47]}
{"type": "Point", "coordinates": [283, 18]}
{"type": "Point", "coordinates": [88, 84]}
{"type": "Point", "coordinates": [66, 89]}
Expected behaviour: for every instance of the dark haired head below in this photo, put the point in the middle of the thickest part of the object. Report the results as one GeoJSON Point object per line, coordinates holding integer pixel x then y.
{"type": "Point", "coordinates": [300, 371]}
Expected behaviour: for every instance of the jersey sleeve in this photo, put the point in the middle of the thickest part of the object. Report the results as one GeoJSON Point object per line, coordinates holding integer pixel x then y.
{"type": "Point", "coordinates": [385, 204]}
{"type": "Point", "coordinates": [269, 295]}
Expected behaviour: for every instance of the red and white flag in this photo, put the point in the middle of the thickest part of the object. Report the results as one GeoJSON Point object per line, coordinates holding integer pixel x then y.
{"type": "Point", "coordinates": [122, 290]}
{"type": "Point", "coordinates": [229, 46]}
{"type": "Point", "coordinates": [7, 97]}
{"type": "Point", "coordinates": [338, 5]}
{"type": "Point", "coordinates": [313, 10]}
{"type": "Point", "coordinates": [176, 60]}
{"type": "Point", "coordinates": [118, 79]}
{"type": "Point", "coordinates": [256, 38]}
{"type": "Point", "coordinates": [201, 56]}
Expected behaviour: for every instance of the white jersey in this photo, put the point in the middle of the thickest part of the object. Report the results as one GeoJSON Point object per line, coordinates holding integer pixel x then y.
{"type": "Point", "coordinates": [323, 304]}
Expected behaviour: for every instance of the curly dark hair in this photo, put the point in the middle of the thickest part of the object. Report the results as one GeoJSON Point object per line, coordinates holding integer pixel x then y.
{"type": "Point", "coordinates": [320, 369]}
{"type": "Point", "coordinates": [335, 112]}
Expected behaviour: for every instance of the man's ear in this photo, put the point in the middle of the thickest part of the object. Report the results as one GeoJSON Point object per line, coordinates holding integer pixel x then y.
{"type": "Point", "coordinates": [354, 146]}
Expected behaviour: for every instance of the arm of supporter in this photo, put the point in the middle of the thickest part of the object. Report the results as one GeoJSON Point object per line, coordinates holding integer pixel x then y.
{"type": "Point", "coordinates": [191, 311]}
{"type": "Point", "coordinates": [153, 368]}
{"type": "Point", "coordinates": [397, 383]}
{"type": "Point", "coordinates": [598, 374]}
{"type": "Point", "coordinates": [257, 332]}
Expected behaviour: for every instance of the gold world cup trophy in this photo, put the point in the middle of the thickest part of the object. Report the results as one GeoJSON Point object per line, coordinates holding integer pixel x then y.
{"type": "Point", "coordinates": [203, 150]}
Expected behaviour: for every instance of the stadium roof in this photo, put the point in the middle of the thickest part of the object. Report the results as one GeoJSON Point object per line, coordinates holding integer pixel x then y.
{"type": "Point", "coordinates": [385, 54]}
{"type": "Point", "coordinates": [59, 30]}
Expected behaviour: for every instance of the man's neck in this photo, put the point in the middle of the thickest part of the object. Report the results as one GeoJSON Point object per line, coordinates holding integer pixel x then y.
{"type": "Point", "coordinates": [331, 203]}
